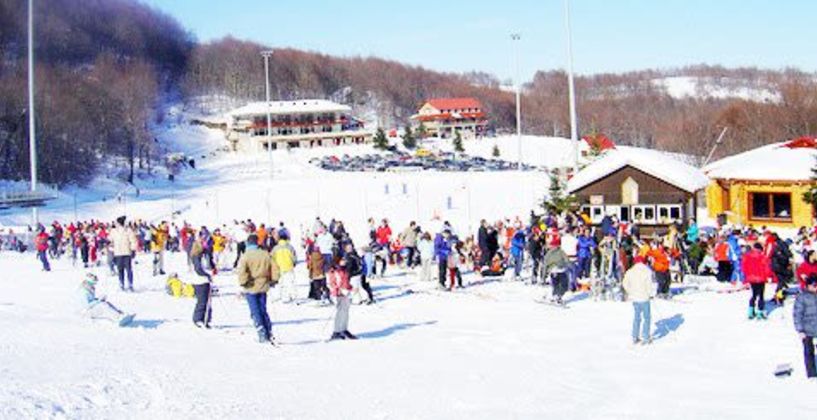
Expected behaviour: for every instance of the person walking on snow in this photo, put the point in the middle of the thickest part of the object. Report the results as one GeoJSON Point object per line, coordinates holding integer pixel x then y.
{"type": "Point", "coordinates": [426, 249]}
{"type": "Point", "coordinates": [640, 289]}
{"type": "Point", "coordinates": [556, 265]}
{"type": "Point", "coordinates": [756, 272]}
{"type": "Point", "coordinates": [340, 288]}
{"type": "Point", "coordinates": [124, 243]}
{"type": "Point", "coordinates": [257, 272]}
{"type": "Point", "coordinates": [518, 252]}
{"type": "Point", "coordinates": [202, 286]}
{"type": "Point", "coordinates": [41, 243]}
{"type": "Point", "coordinates": [409, 240]}
{"type": "Point", "coordinates": [284, 255]}
{"type": "Point", "coordinates": [805, 323]}
{"type": "Point", "coordinates": [442, 249]}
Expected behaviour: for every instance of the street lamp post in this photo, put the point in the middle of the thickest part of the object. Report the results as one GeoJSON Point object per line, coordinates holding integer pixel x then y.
{"type": "Point", "coordinates": [32, 138]}
{"type": "Point", "coordinates": [267, 54]}
{"type": "Point", "coordinates": [515, 38]}
{"type": "Point", "coordinates": [571, 91]}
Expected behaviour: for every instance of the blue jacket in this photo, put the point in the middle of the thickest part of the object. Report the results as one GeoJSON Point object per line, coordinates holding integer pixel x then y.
{"type": "Point", "coordinates": [734, 248]}
{"type": "Point", "coordinates": [442, 248]}
{"type": "Point", "coordinates": [693, 233]}
{"type": "Point", "coordinates": [518, 243]}
{"type": "Point", "coordinates": [585, 246]}
{"type": "Point", "coordinates": [805, 314]}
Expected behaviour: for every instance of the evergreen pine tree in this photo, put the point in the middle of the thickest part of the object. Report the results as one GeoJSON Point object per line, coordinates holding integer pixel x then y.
{"type": "Point", "coordinates": [458, 143]}
{"type": "Point", "coordinates": [380, 140]}
{"type": "Point", "coordinates": [557, 202]}
{"type": "Point", "coordinates": [495, 151]}
{"type": "Point", "coordinates": [422, 132]}
{"type": "Point", "coordinates": [409, 142]}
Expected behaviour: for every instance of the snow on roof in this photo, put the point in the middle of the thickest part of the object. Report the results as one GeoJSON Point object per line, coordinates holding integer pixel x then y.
{"type": "Point", "coordinates": [661, 165]}
{"type": "Point", "coordinates": [773, 162]}
{"type": "Point", "coordinates": [454, 103]}
{"type": "Point", "coordinates": [290, 107]}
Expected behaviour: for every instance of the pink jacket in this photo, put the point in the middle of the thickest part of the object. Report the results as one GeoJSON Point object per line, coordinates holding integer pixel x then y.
{"type": "Point", "coordinates": [337, 280]}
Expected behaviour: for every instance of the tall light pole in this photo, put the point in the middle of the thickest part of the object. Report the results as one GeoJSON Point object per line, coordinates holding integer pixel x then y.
{"type": "Point", "coordinates": [267, 54]}
{"type": "Point", "coordinates": [32, 138]}
{"type": "Point", "coordinates": [574, 137]}
{"type": "Point", "coordinates": [515, 38]}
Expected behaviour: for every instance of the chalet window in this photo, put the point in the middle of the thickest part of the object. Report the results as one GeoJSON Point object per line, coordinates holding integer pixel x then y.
{"type": "Point", "coordinates": [596, 214]}
{"type": "Point", "coordinates": [669, 213]}
{"type": "Point", "coordinates": [644, 214]}
{"type": "Point", "coordinates": [770, 206]}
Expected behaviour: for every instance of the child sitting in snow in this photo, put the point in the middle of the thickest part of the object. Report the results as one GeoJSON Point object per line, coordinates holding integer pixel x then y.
{"type": "Point", "coordinates": [98, 307]}
{"type": "Point", "coordinates": [497, 268]}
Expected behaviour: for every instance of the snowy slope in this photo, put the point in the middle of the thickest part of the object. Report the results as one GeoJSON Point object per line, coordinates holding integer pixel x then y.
{"type": "Point", "coordinates": [486, 352]}
{"type": "Point", "coordinates": [681, 87]}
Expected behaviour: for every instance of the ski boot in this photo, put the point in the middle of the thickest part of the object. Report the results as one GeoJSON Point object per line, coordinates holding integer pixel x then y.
{"type": "Point", "coordinates": [752, 313]}
{"type": "Point", "coordinates": [348, 336]}
{"type": "Point", "coordinates": [761, 315]}
{"type": "Point", "coordinates": [337, 336]}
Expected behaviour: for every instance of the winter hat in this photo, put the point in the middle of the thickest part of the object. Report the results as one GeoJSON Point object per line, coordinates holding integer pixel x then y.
{"type": "Point", "coordinates": [638, 259]}
{"type": "Point", "coordinates": [91, 278]}
{"type": "Point", "coordinates": [556, 241]}
{"type": "Point", "coordinates": [120, 220]}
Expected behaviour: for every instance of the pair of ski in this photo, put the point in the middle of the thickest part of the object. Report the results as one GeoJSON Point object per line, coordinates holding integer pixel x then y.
{"type": "Point", "coordinates": [550, 302]}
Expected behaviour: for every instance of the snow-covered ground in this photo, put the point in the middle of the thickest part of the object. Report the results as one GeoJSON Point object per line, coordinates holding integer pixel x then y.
{"type": "Point", "coordinates": [488, 351]}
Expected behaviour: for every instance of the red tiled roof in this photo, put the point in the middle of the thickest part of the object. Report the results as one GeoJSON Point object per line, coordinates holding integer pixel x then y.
{"type": "Point", "coordinates": [802, 142]}
{"type": "Point", "coordinates": [600, 141]}
{"type": "Point", "coordinates": [454, 103]}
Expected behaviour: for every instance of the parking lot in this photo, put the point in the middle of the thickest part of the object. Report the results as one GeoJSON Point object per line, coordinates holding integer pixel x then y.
{"type": "Point", "coordinates": [402, 161]}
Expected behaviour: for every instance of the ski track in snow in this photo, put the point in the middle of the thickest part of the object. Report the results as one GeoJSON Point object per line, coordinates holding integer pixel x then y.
{"type": "Point", "coordinates": [420, 355]}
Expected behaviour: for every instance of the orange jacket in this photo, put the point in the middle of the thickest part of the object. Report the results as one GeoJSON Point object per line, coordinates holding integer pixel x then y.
{"type": "Point", "coordinates": [660, 260]}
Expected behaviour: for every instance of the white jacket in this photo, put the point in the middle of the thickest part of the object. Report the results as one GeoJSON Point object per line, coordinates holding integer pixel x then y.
{"type": "Point", "coordinates": [123, 241]}
{"type": "Point", "coordinates": [638, 283]}
{"type": "Point", "coordinates": [325, 242]}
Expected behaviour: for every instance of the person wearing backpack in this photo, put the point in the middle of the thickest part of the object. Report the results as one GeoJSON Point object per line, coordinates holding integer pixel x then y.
{"type": "Point", "coordinates": [781, 267]}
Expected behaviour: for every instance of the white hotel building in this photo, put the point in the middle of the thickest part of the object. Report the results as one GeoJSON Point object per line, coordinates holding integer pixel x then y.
{"type": "Point", "coordinates": [301, 123]}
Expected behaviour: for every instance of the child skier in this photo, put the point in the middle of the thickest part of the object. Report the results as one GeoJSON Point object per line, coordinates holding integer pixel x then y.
{"type": "Point", "coordinates": [805, 322]}
{"type": "Point", "coordinates": [98, 307]}
{"type": "Point", "coordinates": [756, 271]}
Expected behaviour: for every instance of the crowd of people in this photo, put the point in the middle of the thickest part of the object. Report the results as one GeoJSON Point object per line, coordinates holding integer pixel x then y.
{"type": "Point", "coordinates": [610, 260]}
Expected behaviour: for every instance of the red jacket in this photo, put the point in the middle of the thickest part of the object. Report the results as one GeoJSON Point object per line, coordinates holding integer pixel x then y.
{"type": "Point", "coordinates": [338, 280]}
{"type": "Point", "coordinates": [383, 235]}
{"type": "Point", "coordinates": [756, 268]}
{"type": "Point", "coordinates": [41, 241]}
{"type": "Point", "coordinates": [803, 271]}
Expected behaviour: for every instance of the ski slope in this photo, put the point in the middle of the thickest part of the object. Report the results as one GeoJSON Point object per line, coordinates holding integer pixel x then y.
{"type": "Point", "coordinates": [488, 351]}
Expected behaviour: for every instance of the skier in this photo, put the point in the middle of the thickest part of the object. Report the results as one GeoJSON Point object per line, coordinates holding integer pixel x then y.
{"type": "Point", "coordinates": [99, 307]}
{"type": "Point", "coordinates": [724, 258]}
{"type": "Point", "coordinates": [257, 272]}
{"type": "Point", "coordinates": [756, 271]}
{"type": "Point", "coordinates": [640, 289]}
{"type": "Point", "coordinates": [805, 323]}
{"type": "Point", "coordinates": [482, 243]}
{"type": "Point", "coordinates": [123, 240]}
{"type": "Point", "coordinates": [585, 245]}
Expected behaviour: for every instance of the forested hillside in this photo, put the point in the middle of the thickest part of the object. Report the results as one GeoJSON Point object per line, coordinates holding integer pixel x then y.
{"type": "Point", "coordinates": [104, 65]}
